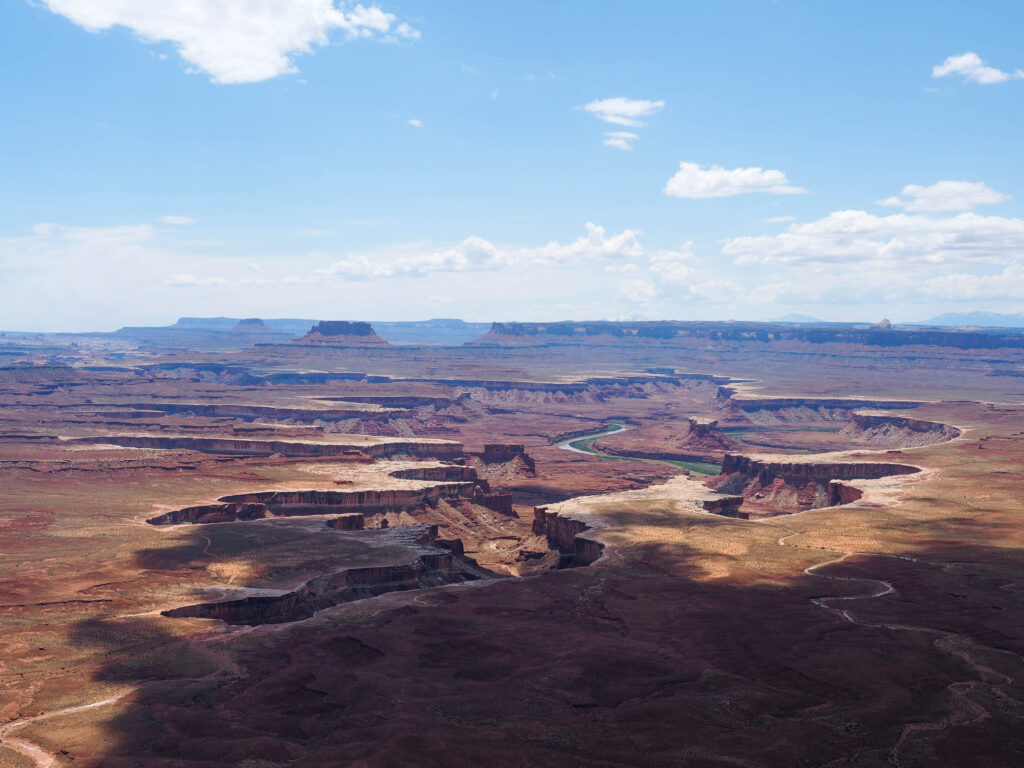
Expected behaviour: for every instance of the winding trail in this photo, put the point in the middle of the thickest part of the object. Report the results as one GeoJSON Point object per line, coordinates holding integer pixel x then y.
{"type": "Point", "coordinates": [967, 711]}
{"type": "Point", "coordinates": [37, 754]}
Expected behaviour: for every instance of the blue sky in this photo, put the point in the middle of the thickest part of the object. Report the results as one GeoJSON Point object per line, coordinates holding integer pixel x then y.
{"type": "Point", "coordinates": [508, 161]}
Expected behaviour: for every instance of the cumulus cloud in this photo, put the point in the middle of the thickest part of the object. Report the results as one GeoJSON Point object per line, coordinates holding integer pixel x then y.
{"type": "Point", "coordinates": [1008, 284]}
{"type": "Point", "coordinates": [622, 111]}
{"type": "Point", "coordinates": [477, 254]}
{"type": "Point", "coordinates": [692, 181]}
{"type": "Point", "coordinates": [945, 196]}
{"type": "Point", "coordinates": [675, 267]}
{"type": "Point", "coordinates": [178, 221]}
{"type": "Point", "coordinates": [970, 66]}
{"type": "Point", "coordinates": [237, 41]}
{"type": "Point", "coordinates": [856, 237]}
{"type": "Point", "coordinates": [620, 139]}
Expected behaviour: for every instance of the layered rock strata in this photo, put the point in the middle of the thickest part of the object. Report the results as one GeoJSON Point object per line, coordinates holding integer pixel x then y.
{"type": "Point", "coordinates": [798, 485]}
{"type": "Point", "coordinates": [241, 447]}
{"type": "Point", "coordinates": [253, 506]}
{"type": "Point", "coordinates": [439, 563]}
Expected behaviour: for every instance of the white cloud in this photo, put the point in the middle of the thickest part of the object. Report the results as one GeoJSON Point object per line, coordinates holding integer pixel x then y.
{"type": "Point", "coordinates": [1008, 284]}
{"type": "Point", "coordinates": [779, 219]}
{"type": "Point", "coordinates": [692, 181]}
{"type": "Point", "coordinates": [675, 267]}
{"type": "Point", "coordinates": [237, 41]}
{"type": "Point", "coordinates": [972, 68]}
{"type": "Point", "coordinates": [97, 237]}
{"type": "Point", "coordinates": [187, 280]}
{"type": "Point", "coordinates": [178, 221]}
{"type": "Point", "coordinates": [416, 123]}
{"type": "Point", "coordinates": [945, 196]}
{"type": "Point", "coordinates": [476, 254]}
{"type": "Point", "coordinates": [638, 291]}
{"type": "Point", "coordinates": [856, 237]}
{"type": "Point", "coordinates": [623, 111]}
{"type": "Point", "coordinates": [620, 139]}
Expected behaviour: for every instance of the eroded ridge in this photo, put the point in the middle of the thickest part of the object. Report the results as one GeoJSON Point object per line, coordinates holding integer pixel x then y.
{"type": "Point", "coordinates": [785, 484]}
{"type": "Point", "coordinates": [438, 562]}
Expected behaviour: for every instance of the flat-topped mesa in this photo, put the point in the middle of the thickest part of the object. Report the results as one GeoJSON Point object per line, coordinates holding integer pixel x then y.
{"type": "Point", "coordinates": [780, 486]}
{"type": "Point", "coordinates": [760, 335]}
{"type": "Point", "coordinates": [262, 504]}
{"type": "Point", "coordinates": [343, 333]}
{"type": "Point", "coordinates": [239, 447]}
{"type": "Point", "coordinates": [436, 563]}
{"type": "Point", "coordinates": [249, 412]}
{"type": "Point", "coordinates": [749, 404]}
{"type": "Point", "coordinates": [500, 463]}
{"type": "Point", "coordinates": [567, 532]}
{"type": "Point", "coordinates": [499, 453]}
{"type": "Point", "coordinates": [250, 325]}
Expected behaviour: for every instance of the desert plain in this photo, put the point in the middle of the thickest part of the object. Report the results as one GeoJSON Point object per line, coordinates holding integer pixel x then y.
{"type": "Point", "coordinates": [565, 544]}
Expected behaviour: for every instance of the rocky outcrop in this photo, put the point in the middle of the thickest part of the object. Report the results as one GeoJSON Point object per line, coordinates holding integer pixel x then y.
{"type": "Point", "coordinates": [568, 533]}
{"type": "Point", "coordinates": [227, 512]}
{"type": "Point", "coordinates": [239, 447]}
{"type": "Point", "coordinates": [446, 472]}
{"type": "Point", "coordinates": [841, 492]}
{"type": "Point", "coordinates": [342, 333]}
{"type": "Point", "coordinates": [252, 506]}
{"type": "Point", "coordinates": [744, 403]}
{"type": "Point", "coordinates": [350, 521]}
{"type": "Point", "coordinates": [496, 502]}
{"type": "Point", "coordinates": [795, 485]}
{"type": "Point", "coordinates": [898, 430]}
{"type": "Point", "coordinates": [501, 453]}
{"type": "Point", "coordinates": [253, 412]}
{"type": "Point", "coordinates": [437, 565]}
{"type": "Point", "coordinates": [726, 506]}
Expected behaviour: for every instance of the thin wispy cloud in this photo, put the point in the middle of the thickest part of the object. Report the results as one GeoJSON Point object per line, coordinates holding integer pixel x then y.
{"type": "Point", "coordinates": [622, 111]}
{"type": "Point", "coordinates": [620, 139]}
{"type": "Point", "coordinates": [238, 41]}
{"type": "Point", "coordinates": [178, 221]}
{"type": "Point", "coordinates": [693, 181]}
{"type": "Point", "coordinates": [970, 66]}
{"type": "Point", "coordinates": [945, 196]}
{"type": "Point", "coordinates": [415, 123]}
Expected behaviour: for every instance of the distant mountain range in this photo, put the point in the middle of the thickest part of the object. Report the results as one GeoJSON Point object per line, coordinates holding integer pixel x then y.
{"type": "Point", "coordinates": [979, 319]}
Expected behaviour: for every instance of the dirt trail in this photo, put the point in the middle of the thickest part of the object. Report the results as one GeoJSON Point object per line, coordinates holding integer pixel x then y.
{"type": "Point", "coordinates": [40, 756]}
{"type": "Point", "coordinates": [967, 711]}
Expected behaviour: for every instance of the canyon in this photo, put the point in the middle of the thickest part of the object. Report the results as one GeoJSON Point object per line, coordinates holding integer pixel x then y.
{"type": "Point", "coordinates": [270, 543]}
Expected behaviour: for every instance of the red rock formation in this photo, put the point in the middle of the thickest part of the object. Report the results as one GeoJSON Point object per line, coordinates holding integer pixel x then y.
{"type": "Point", "coordinates": [342, 333]}
{"type": "Point", "coordinates": [351, 521]}
{"type": "Point", "coordinates": [315, 502]}
{"type": "Point", "coordinates": [796, 485]}
{"type": "Point", "coordinates": [566, 533]}
{"type": "Point", "coordinates": [497, 502]}
{"type": "Point", "coordinates": [442, 563]}
{"type": "Point", "coordinates": [842, 493]}
{"type": "Point", "coordinates": [239, 447]}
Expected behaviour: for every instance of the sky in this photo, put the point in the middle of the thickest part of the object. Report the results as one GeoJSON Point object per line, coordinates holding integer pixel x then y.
{"type": "Point", "coordinates": [535, 161]}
